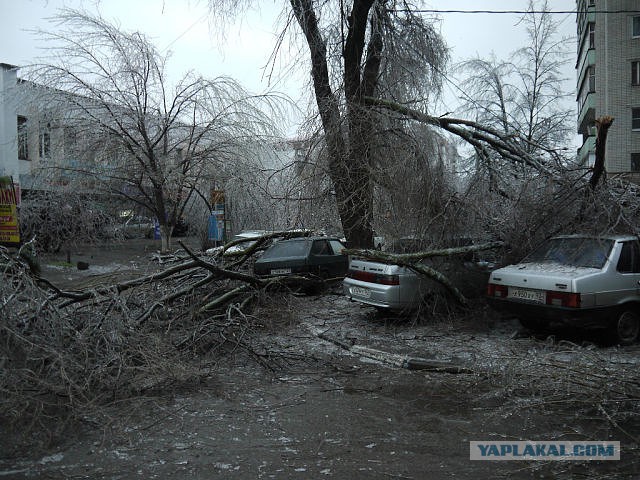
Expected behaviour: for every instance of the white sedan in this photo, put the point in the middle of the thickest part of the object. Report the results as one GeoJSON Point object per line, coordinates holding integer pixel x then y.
{"type": "Point", "coordinates": [577, 280]}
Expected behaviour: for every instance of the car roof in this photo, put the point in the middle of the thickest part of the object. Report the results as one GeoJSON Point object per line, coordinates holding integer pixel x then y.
{"type": "Point", "coordinates": [317, 237]}
{"type": "Point", "coordinates": [616, 237]}
{"type": "Point", "coordinates": [251, 233]}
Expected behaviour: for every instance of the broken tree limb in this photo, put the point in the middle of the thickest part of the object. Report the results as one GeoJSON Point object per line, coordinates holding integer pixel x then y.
{"type": "Point", "coordinates": [224, 298]}
{"type": "Point", "coordinates": [479, 136]}
{"type": "Point", "coordinates": [602, 125]}
{"type": "Point", "coordinates": [395, 359]}
{"type": "Point", "coordinates": [221, 272]}
{"type": "Point", "coordinates": [172, 296]}
{"type": "Point", "coordinates": [411, 257]}
{"type": "Point", "coordinates": [441, 279]}
{"type": "Point", "coordinates": [288, 281]}
{"type": "Point", "coordinates": [75, 296]}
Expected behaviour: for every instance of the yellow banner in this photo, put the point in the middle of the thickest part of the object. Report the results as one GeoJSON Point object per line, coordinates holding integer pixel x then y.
{"type": "Point", "coordinates": [9, 230]}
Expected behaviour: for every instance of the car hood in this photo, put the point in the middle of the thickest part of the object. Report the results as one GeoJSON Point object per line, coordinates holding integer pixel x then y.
{"type": "Point", "coordinates": [547, 276]}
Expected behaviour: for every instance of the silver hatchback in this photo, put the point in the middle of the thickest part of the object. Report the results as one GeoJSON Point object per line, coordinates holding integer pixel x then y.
{"type": "Point", "coordinates": [576, 280]}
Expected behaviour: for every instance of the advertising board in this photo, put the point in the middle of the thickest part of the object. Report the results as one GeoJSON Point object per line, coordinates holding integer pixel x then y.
{"type": "Point", "coordinates": [9, 227]}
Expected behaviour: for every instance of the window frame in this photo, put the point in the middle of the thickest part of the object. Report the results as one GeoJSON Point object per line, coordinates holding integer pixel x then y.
{"type": "Point", "coordinates": [635, 26]}
{"type": "Point", "coordinates": [23, 138]}
{"type": "Point", "coordinates": [44, 142]}
{"type": "Point", "coordinates": [635, 119]}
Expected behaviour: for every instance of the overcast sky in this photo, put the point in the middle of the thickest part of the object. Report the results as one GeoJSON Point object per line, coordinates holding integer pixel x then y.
{"type": "Point", "coordinates": [183, 27]}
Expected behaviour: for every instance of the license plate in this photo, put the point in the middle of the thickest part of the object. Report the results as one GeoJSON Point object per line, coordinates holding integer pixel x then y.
{"type": "Point", "coordinates": [360, 292]}
{"type": "Point", "coordinates": [280, 271]}
{"type": "Point", "coordinates": [537, 296]}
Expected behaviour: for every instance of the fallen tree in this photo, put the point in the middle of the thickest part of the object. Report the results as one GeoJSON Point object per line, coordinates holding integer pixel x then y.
{"type": "Point", "coordinates": [77, 349]}
{"type": "Point", "coordinates": [72, 351]}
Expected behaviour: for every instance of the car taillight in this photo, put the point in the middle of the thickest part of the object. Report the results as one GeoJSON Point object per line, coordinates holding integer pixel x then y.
{"type": "Point", "coordinates": [495, 290]}
{"type": "Point", "coordinates": [563, 299]}
{"type": "Point", "coordinates": [371, 277]}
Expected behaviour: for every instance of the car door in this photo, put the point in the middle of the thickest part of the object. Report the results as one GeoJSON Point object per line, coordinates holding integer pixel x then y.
{"type": "Point", "coordinates": [327, 261]}
{"type": "Point", "coordinates": [341, 263]}
{"type": "Point", "coordinates": [628, 267]}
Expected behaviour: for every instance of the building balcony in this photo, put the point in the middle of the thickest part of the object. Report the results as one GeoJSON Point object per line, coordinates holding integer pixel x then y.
{"type": "Point", "coordinates": [586, 153]}
{"type": "Point", "coordinates": [587, 60]}
{"type": "Point", "coordinates": [587, 112]}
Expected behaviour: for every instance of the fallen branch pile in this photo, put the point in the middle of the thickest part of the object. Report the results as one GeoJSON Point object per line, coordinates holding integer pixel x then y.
{"type": "Point", "coordinates": [70, 350]}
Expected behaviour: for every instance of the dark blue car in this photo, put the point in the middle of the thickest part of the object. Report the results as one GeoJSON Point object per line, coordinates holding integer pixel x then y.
{"type": "Point", "coordinates": [321, 256]}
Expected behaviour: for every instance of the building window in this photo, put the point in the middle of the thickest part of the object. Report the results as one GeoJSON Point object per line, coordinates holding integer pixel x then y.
{"type": "Point", "coordinates": [23, 139]}
{"type": "Point", "coordinates": [592, 35]}
{"type": "Point", "coordinates": [635, 73]}
{"type": "Point", "coordinates": [635, 28]}
{"type": "Point", "coordinates": [635, 118]}
{"type": "Point", "coordinates": [635, 162]}
{"type": "Point", "coordinates": [45, 142]}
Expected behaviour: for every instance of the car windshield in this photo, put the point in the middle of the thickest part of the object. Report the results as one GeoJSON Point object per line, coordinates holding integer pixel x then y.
{"type": "Point", "coordinates": [572, 251]}
{"type": "Point", "coordinates": [290, 248]}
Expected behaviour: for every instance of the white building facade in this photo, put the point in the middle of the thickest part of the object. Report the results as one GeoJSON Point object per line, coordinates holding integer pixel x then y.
{"type": "Point", "coordinates": [9, 164]}
{"type": "Point", "coordinates": [608, 80]}
{"type": "Point", "coordinates": [30, 142]}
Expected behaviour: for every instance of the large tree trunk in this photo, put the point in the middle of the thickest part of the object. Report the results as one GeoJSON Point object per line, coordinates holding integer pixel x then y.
{"type": "Point", "coordinates": [360, 81]}
{"type": "Point", "coordinates": [165, 237]}
{"type": "Point", "coordinates": [348, 168]}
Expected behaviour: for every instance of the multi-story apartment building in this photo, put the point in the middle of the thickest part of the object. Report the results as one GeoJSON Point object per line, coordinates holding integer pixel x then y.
{"type": "Point", "coordinates": [608, 72]}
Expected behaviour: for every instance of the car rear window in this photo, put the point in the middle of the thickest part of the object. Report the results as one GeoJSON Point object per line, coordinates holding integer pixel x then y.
{"type": "Point", "coordinates": [288, 248]}
{"type": "Point", "coordinates": [573, 251]}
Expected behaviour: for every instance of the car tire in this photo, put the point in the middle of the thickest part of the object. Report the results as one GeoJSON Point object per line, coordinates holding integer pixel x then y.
{"type": "Point", "coordinates": [626, 327]}
{"type": "Point", "coordinates": [533, 324]}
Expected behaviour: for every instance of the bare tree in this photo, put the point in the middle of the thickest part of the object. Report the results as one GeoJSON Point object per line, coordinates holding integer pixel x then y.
{"type": "Point", "coordinates": [364, 42]}
{"type": "Point", "coordinates": [133, 132]}
{"type": "Point", "coordinates": [523, 96]}
{"type": "Point", "coordinates": [523, 101]}
{"type": "Point", "coordinates": [541, 113]}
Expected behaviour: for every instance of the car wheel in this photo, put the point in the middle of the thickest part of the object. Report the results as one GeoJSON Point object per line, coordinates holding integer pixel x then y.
{"type": "Point", "coordinates": [532, 324]}
{"type": "Point", "coordinates": [626, 328]}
